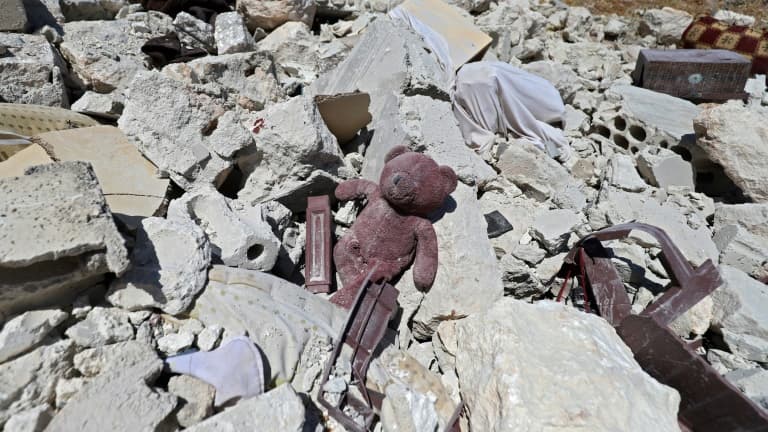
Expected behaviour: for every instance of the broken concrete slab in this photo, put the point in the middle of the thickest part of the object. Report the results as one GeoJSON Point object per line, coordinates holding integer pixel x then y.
{"type": "Point", "coordinates": [621, 173]}
{"type": "Point", "coordinates": [128, 180]}
{"type": "Point", "coordinates": [271, 14]}
{"type": "Point", "coordinates": [169, 267]}
{"type": "Point", "coordinates": [108, 106]}
{"type": "Point", "coordinates": [739, 314]}
{"type": "Point", "coordinates": [195, 399]}
{"type": "Point", "coordinates": [539, 176]}
{"type": "Point", "coordinates": [753, 382]}
{"type": "Point", "coordinates": [278, 410]}
{"type": "Point", "coordinates": [118, 356]}
{"type": "Point", "coordinates": [123, 399]}
{"type": "Point", "coordinates": [239, 234]}
{"type": "Point", "coordinates": [741, 249]}
{"type": "Point", "coordinates": [32, 73]}
{"type": "Point", "coordinates": [194, 33]}
{"type": "Point", "coordinates": [231, 34]}
{"type": "Point", "coordinates": [293, 142]}
{"type": "Point", "coordinates": [188, 134]}
{"type": "Point", "coordinates": [666, 24]}
{"type": "Point", "coordinates": [662, 168]}
{"type": "Point", "coordinates": [82, 10]}
{"type": "Point", "coordinates": [13, 17]}
{"type": "Point", "coordinates": [734, 137]}
{"type": "Point", "coordinates": [248, 79]}
{"type": "Point", "coordinates": [553, 228]}
{"type": "Point", "coordinates": [27, 330]}
{"type": "Point", "coordinates": [29, 381]}
{"type": "Point", "coordinates": [291, 326]}
{"type": "Point", "coordinates": [174, 343]}
{"type": "Point", "coordinates": [293, 194]}
{"type": "Point", "coordinates": [106, 55]}
{"type": "Point", "coordinates": [753, 217]}
{"type": "Point", "coordinates": [31, 420]}
{"type": "Point", "coordinates": [102, 326]}
{"type": "Point", "coordinates": [467, 264]}
{"type": "Point", "coordinates": [490, 349]}
{"type": "Point", "coordinates": [64, 240]}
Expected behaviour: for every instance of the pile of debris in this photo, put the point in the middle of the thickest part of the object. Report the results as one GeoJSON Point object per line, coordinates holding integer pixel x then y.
{"type": "Point", "coordinates": [169, 176]}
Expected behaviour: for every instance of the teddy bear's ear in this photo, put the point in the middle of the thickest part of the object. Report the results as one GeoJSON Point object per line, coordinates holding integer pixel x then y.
{"type": "Point", "coordinates": [449, 179]}
{"type": "Point", "coordinates": [395, 152]}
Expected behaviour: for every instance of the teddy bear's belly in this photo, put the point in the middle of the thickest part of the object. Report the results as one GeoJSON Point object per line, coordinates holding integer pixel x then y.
{"type": "Point", "coordinates": [385, 235]}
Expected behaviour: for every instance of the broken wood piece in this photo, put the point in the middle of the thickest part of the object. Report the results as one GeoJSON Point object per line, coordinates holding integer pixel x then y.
{"type": "Point", "coordinates": [318, 275]}
{"type": "Point", "coordinates": [344, 114]}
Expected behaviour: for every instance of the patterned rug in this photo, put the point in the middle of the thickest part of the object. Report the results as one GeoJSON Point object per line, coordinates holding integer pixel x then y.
{"type": "Point", "coordinates": [707, 32]}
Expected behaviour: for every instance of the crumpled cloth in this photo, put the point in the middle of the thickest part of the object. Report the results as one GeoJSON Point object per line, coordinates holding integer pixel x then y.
{"type": "Point", "coordinates": [491, 97]}
{"type": "Point", "coordinates": [496, 97]}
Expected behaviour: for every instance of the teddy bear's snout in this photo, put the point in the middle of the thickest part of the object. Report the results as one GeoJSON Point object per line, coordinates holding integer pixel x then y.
{"type": "Point", "coordinates": [400, 188]}
{"type": "Point", "coordinates": [396, 179]}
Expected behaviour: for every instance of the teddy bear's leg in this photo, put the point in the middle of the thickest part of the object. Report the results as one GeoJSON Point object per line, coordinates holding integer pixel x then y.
{"type": "Point", "coordinates": [383, 271]}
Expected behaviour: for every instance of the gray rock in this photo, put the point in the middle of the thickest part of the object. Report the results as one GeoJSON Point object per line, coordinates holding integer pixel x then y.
{"type": "Point", "coordinates": [565, 80]}
{"type": "Point", "coordinates": [733, 137]}
{"type": "Point", "coordinates": [248, 79]}
{"type": "Point", "coordinates": [519, 280]}
{"type": "Point", "coordinates": [62, 241]}
{"type": "Point", "coordinates": [662, 168]}
{"type": "Point", "coordinates": [557, 352]}
{"type": "Point", "coordinates": [273, 13]}
{"type": "Point", "coordinates": [666, 24]}
{"type": "Point", "coordinates": [753, 217]}
{"type": "Point", "coordinates": [293, 142]}
{"type": "Point", "coordinates": [106, 55]}
{"type": "Point", "coordinates": [194, 32]}
{"type": "Point", "coordinates": [118, 356]}
{"type": "Point", "coordinates": [102, 326]}
{"type": "Point", "coordinates": [278, 410]}
{"type": "Point", "coordinates": [238, 233]}
{"type": "Point", "coordinates": [291, 326]}
{"type": "Point", "coordinates": [13, 17]}
{"type": "Point", "coordinates": [81, 10]}
{"type": "Point", "coordinates": [30, 380]}
{"type": "Point", "coordinates": [553, 228]}
{"type": "Point", "coordinates": [468, 276]}
{"type": "Point", "coordinates": [31, 71]}
{"type": "Point", "coordinates": [98, 104]}
{"type": "Point", "coordinates": [742, 250]}
{"type": "Point", "coordinates": [175, 343]}
{"type": "Point", "coordinates": [31, 420]}
{"type": "Point", "coordinates": [27, 330]}
{"type": "Point", "coordinates": [188, 134]}
{"type": "Point", "coordinates": [209, 337]}
{"type": "Point", "coordinates": [724, 362]}
{"type": "Point", "coordinates": [531, 253]}
{"type": "Point", "coordinates": [195, 399]}
{"type": "Point", "coordinates": [753, 382]}
{"type": "Point", "coordinates": [231, 34]}
{"type": "Point", "coordinates": [123, 399]}
{"type": "Point", "coordinates": [539, 176]}
{"type": "Point", "coordinates": [170, 262]}
{"type": "Point", "coordinates": [623, 175]}
{"type": "Point", "coordinates": [66, 388]}
{"type": "Point", "coordinates": [739, 314]}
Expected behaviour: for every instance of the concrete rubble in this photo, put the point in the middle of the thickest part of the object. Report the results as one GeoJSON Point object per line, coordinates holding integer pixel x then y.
{"type": "Point", "coordinates": [180, 222]}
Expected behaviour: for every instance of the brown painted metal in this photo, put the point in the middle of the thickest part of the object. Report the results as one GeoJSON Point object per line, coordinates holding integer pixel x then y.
{"type": "Point", "coordinates": [317, 271]}
{"type": "Point", "coordinates": [374, 306]}
{"type": "Point", "coordinates": [709, 403]}
{"type": "Point", "coordinates": [700, 75]}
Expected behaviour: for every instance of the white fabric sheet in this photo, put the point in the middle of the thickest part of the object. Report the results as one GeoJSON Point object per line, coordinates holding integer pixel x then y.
{"type": "Point", "coordinates": [496, 97]}
{"type": "Point", "coordinates": [491, 97]}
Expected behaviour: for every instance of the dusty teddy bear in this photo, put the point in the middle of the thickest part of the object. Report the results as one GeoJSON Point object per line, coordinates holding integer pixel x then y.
{"type": "Point", "coordinates": [393, 229]}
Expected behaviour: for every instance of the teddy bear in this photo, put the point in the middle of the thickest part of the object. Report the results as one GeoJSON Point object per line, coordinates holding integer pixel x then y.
{"type": "Point", "coordinates": [393, 230]}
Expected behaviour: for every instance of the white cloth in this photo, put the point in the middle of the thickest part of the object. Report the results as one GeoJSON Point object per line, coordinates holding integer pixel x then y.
{"type": "Point", "coordinates": [491, 97]}
{"type": "Point", "coordinates": [495, 97]}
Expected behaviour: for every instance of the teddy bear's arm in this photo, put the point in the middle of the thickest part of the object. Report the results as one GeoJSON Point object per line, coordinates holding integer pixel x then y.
{"type": "Point", "coordinates": [425, 263]}
{"type": "Point", "coordinates": [357, 189]}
